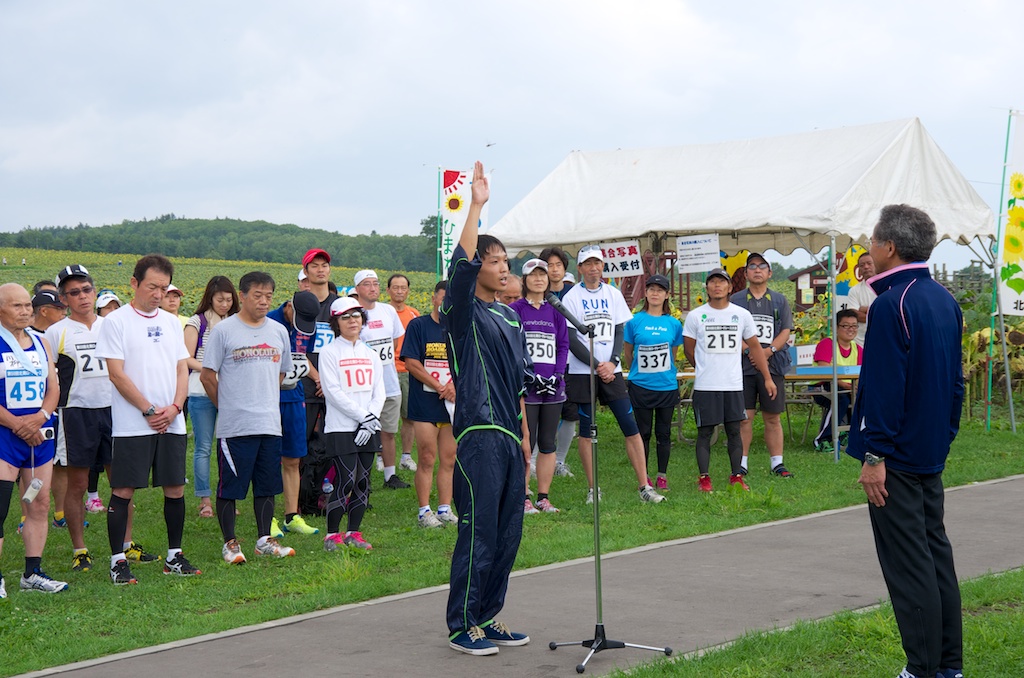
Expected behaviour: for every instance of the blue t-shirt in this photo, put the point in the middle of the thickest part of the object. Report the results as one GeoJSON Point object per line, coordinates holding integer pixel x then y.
{"type": "Point", "coordinates": [655, 340]}
{"type": "Point", "coordinates": [294, 395]}
{"type": "Point", "coordinates": [487, 352]}
{"type": "Point", "coordinates": [424, 341]}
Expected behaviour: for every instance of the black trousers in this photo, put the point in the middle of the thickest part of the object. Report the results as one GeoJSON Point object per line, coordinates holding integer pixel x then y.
{"type": "Point", "coordinates": [917, 563]}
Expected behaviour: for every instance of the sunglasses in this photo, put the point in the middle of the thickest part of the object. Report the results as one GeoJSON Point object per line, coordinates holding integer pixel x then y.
{"type": "Point", "coordinates": [80, 291]}
{"type": "Point", "coordinates": [758, 267]}
{"type": "Point", "coordinates": [350, 315]}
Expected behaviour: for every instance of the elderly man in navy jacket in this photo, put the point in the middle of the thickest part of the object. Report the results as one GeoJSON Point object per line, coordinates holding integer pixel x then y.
{"type": "Point", "coordinates": [905, 418]}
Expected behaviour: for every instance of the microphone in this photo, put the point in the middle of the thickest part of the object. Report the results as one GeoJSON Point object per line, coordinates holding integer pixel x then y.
{"type": "Point", "coordinates": [586, 330]}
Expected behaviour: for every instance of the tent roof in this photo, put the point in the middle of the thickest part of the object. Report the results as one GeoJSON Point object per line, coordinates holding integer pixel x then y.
{"type": "Point", "coordinates": [758, 194]}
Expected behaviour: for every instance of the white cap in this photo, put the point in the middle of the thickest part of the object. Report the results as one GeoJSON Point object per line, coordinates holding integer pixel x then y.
{"type": "Point", "coordinates": [364, 274]}
{"type": "Point", "coordinates": [302, 274]}
{"type": "Point", "coordinates": [343, 305]}
{"type": "Point", "coordinates": [105, 298]}
{"type": "Point", "coordinates": [590, 252]}
{"type": "Point", "coordinates": [533, 264]}
{"type": "Point", "coordinates": [172, 288]}
{"type": "Point", "coordinates": [569, 277]}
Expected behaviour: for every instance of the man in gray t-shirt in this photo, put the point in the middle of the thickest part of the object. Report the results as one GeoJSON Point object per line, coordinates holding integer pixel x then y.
{"type": "Point", "coordinates": [246, 358]}
{"type": "Point", "coordinates": [774, 322]}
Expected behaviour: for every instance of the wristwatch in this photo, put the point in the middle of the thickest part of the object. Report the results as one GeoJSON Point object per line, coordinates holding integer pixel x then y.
{"type": "Point", "coordinates": [774, 350]}
{"type": "Point", "coordinates": [150, 412]}
{"type": "Point", "coordinates": [872, 459]}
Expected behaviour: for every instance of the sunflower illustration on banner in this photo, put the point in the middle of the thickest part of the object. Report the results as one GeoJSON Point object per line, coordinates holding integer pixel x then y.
{"type": "Point", "coordinates": [453, 204]}
{"type": "Point", "coordinates": [1011, 252]}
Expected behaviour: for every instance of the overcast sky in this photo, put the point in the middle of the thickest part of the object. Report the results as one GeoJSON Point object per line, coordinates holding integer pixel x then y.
{"type": "Point", "coordinates": [336, 115]}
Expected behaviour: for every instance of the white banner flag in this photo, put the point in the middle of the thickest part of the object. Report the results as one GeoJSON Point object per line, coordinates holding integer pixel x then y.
{"type": "Point", "coordinates": [1011, 249]}
{"type": "Point", "coordinates": [454, 202]}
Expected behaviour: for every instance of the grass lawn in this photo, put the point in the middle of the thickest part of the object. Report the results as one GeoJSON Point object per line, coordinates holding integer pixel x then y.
{"type": "Point", "coordinates": [867, 643]}
{"type": "Point", "coordinates": [93, 618]}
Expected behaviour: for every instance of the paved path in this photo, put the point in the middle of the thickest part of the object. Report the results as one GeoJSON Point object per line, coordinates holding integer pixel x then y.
{"type": "Point", "coordinates": [686, 594]}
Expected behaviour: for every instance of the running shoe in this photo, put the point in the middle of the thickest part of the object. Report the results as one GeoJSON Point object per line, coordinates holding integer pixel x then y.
{"type": "Point", "coordinates": [232, 552]}
{"type": "Point", "coordinates": [275, 529]}
{"type": "Point", "coordinates": [704, 483]}
{"type": "Point", "coordinates": [21, 525]}
{"type": "Point", "coordinates": [529, 509]}
{"type": "Point", "coordinates": [62, 524]}
{"type": "Point", "coordinates": [448, 517]}
{"type": "Point", "coordinates": [545, 506]}
{"type": "Point", "coordinates": [738, 480]}
{"type": "Point", "coordinates": [649, 494]}
{"type": "Point", "coordinates": [562, 470]}
{"type": "Point", "coordinates": [180, 566]}
{"type": "Point", "coordinates": [137, 554]}
{"type": "Point", "coordinates": [40, 581]}
{"type": "Point", "coordinates": [81, 562]}
{"type": "Point", "coordinates": [298, 526]}
{"type": "Point", "coordinates": [500, 634]}
{"type": "Point", "coordinates": [661, 483]}
{"type": "Point", "coordinates": [396, 483]}
{"type": "Point", "coordinates": [743, 470]}
{"type": "Point", "coordinates": [428, 519]}
{"type": "Point", "coordinates": [272, 547]}
{"type": "Point", "coordinates": [354, 540]}
{"type": "Point", "coordinates": [472, 641]}
{"type": "Point", "coordinates": [3, 589]}
{"type": "Point", "coordinates": [407, 462]}
{"type": "Point", "coordinates": [95, 505]}
{"type": "Point", "coordinates": [590, 495]}
{"type": "Point", "coordinates": [121, 575]}
{"type": "Point", "coordinates": [380, 463]}
{"type": "Point", "coordinates": [825, 446]}
{"type": "Point", "coordinates": [949, 673]}
{"type": "Point", "coordinates": [333, 541]}
{"type": "Point", "coordinates": [782, 471]}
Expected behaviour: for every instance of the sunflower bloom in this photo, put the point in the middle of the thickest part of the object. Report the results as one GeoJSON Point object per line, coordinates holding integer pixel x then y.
{"type": "Point", "coordinates": [1017, 185]}
{"type": "Point", "coordinates": [1013, 246]}
{"type": "Point", "coordinates": [1015, 221]}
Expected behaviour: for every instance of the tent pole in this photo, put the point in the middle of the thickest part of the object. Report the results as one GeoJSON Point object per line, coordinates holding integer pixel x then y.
{"type": "Point", "coordinates": [835, 344]}
{"type": "Point", "coordinates": [996, 307]}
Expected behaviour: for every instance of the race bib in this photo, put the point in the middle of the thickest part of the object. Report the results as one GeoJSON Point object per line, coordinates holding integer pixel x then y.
{"type": "Point", "coordinates": [323, 336]}
{"type": "Point", "coordinates": [765, 329]}
{"type": "Point", "coordinates": [300, 369]}
{"type": "Point", "coordinates": [439, 370]}
{"type": "Point", "coordinates": [385, 348]}
{"type": "Point", "coordinates": [356, 374]}
{"type": "Point", "coordinates": [24, 389]}
{"type": "Point", "coordinates": [89, 365]}
{"type": "Point", "coordinates": [604, 328]}
{"type": "Point", "coordinates": [653, 359]}
{"type": "Point", "coordinates": [721, 338]}
{"type": "Point", "coordinates": [541, 346]}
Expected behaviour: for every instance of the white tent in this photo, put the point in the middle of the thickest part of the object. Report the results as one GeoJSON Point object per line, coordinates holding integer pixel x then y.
{"type": "Point", "coordinates": [759, 194]}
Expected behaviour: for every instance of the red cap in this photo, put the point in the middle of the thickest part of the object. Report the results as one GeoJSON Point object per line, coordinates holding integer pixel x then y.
{"type": "Point", "coordinates": [313, 254]}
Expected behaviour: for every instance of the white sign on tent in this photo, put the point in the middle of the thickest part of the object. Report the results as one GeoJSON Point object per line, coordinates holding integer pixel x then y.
{"type": "Point", "coordinates": [697, 253]}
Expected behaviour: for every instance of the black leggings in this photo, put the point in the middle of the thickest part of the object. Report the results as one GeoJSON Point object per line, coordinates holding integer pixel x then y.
{"type": "Point", "coordinates": [542, 421]}
{"type": "Point", "coordinates": [662, 432]}
{"type": "Point", "coordinates": [351, 490]}
{"type": "Point", "coordinates": [733, 443]}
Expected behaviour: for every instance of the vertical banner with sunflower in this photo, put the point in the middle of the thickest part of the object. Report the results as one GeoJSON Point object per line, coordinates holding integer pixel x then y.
{"type": "Point", "coordinates": [1011, 254]}
{"type": "Point", "coordinates": [453, 203]}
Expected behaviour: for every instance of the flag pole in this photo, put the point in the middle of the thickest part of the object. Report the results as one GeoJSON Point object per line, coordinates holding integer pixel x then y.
{"type": "Point", "coordinates": [437, 249]}
{"type": "Point", "coordinates": [996, 308]}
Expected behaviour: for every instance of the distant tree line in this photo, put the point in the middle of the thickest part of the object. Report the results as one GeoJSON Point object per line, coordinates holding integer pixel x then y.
{"type": "Point", "coordinates": [233, 239]}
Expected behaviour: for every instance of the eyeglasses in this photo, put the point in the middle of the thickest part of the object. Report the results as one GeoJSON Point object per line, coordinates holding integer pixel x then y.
{"type": "Point", "coordinates": [758, 267]}
{"type": "Point", "coordinates": [350, 315]}
{"type": "Point", "coordinates": [848, 326]}
{"type": "Point", "coordinates": [875, 242]}
{"type": "Point", "coordinates": [88, 289]}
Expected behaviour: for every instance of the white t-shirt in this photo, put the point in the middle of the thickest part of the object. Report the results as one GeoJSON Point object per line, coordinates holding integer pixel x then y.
{"type": "Point", "coordinates": [90, 382]}
{"type": "Point", "coordinates": [720, 337]}
{"type": "Point", "coordinates": [382, 327]}
{"type": "Point", "coordinates": [151, 348]}
{"type": "Point", "coordinates": [350, 376]}
{"type": "Point", "coordinates": [861, 295]}
{"type": "Point", "coordinates": [604, 308]}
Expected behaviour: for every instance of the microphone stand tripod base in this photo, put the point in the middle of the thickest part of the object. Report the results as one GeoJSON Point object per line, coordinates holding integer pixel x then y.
{"type": "Point", "coordinates": [601, 642]}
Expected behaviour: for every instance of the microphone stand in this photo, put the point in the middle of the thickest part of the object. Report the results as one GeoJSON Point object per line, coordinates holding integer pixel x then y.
{"type": "Point", "coordinates": [600, 641]}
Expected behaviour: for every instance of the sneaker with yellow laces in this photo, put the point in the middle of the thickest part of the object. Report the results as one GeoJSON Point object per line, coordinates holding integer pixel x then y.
{"type": "Point", "coordinates": [136, 554]}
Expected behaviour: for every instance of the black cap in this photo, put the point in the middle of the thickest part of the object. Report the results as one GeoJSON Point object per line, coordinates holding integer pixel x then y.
{"type": "Point", "coordinates": [760, 256]}
{"type": "Point", "coordinates": [72, 271]}
{"type": "Point", "coordinates": [46, 298]}
{"type": "Point", "coordinates": [305, 309]}
{"type": "Point", "coordinates": [721, 272]}
{"type": "Point", "coordinates": [660, 281]}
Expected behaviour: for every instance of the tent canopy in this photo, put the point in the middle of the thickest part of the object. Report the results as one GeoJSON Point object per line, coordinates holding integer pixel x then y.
{"type": "Point", "coordinates": [780, 193]}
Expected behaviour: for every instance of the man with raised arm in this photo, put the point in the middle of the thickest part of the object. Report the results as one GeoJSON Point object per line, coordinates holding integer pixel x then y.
{"type": "Point", "coordinates": [487, 348]}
